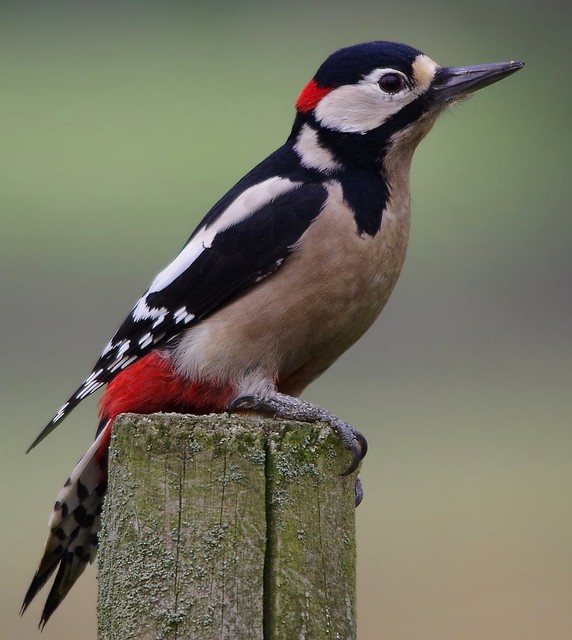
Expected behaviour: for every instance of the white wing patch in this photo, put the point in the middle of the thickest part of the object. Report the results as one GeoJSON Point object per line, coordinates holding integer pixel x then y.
{"type": "Point", "coordinates": [183, 315]}
{"type": "Point", "coordinates": [142, 311]}
{"type": "Point", "coordinates": [90, 388]}
{"type": "Point", "coordinates": [121, 363]}
{"type": "Point", "coordinates": [247, 203]}
{"type": "Point", "coordinates": [108, 347]}
{"type": "Point", "coordinates": [123, 347]}
{"type": "Point", "coordinates": [145, 340]}
{"type": "Point", "coordinates": [60, 414]}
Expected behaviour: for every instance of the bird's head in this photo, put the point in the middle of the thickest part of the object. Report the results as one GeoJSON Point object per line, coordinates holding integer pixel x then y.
{"type": "Point", "coordinates": [365, 97]}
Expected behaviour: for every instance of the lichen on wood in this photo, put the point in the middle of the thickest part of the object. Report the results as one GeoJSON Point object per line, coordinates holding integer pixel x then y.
{"type": "Point", "coordinates": [226, 527]}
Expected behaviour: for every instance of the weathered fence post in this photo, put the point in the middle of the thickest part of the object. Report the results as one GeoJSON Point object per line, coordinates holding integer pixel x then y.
{"type": "Point", "coordinates": [229, 528]}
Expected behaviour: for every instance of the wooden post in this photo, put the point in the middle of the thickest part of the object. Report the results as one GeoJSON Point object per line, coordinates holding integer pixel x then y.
{"type": "Point", "coordinates": [226, 527]}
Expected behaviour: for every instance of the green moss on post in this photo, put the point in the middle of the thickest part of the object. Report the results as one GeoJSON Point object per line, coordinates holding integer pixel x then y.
{"type": "Point", "coordinates": [310, 571]}
{"type": "Point", "coordinates": [228, 528]}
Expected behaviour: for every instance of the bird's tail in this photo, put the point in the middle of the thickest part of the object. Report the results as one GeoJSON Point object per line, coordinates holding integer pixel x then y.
{"type": "Point", "coordinates": [74, 524]}
{"type": "Point", "coordinates": [147, 386]}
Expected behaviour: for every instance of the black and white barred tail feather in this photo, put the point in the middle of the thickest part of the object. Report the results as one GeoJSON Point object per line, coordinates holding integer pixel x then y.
{"type": "Point", "coordinates": [74, 524]}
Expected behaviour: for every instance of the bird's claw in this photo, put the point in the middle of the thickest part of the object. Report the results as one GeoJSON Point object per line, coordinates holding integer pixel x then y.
{"type": "Point", "coordinates": [358, 491]}
{"type": "Point", "coordinates": [289, 408]}
{"type": "Point", "coordinates": [354, 441]}
{"type": "Point", "coordinates": [243, 403]}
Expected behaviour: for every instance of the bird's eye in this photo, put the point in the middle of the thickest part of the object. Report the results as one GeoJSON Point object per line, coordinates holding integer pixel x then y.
{"type": "Point", "coordinates": [392, 82]}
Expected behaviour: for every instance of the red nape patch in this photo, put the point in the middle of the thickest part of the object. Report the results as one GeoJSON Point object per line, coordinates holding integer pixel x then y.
{"type": "Point", "coordinates": [311, 95]}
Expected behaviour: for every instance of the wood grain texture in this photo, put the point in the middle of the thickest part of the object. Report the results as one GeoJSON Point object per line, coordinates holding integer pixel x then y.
{"type": "Point", "coordinates": [226, 527]}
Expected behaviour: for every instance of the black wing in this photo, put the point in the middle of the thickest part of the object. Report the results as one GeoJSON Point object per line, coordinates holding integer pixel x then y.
{"type": "Point", "coordinates": [225, 257]}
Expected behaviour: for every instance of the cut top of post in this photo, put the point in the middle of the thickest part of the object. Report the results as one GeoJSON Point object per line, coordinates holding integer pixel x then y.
{"type": "Point", "coordinates": [226, 527]}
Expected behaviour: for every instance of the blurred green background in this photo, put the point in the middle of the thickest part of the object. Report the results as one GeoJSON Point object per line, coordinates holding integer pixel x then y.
{"type": "Point", "coordinates": [121, 123]}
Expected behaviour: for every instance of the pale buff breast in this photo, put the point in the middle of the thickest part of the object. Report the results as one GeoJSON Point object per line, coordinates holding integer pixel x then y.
{"type": "Point", "coordinates": [297, 322]}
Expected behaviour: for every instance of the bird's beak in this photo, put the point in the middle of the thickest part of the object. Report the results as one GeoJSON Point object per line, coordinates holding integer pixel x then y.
{"type": "Point", "coordinates": [455, 82]}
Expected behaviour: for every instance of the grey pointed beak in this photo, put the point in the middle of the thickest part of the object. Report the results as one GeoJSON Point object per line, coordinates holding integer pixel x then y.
{"type": "Point", "coordinates": [455, 82]}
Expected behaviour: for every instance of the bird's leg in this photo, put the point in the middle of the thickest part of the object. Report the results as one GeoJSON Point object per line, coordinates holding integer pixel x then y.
{"type": "Point", "coordinates": [287, 407]}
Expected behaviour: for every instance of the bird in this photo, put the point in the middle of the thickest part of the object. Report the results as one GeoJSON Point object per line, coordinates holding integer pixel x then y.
{"type": "Point", "coordinates": [286, 271]}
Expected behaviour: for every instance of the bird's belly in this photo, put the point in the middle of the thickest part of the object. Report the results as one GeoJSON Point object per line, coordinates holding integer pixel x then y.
{"type": "Point", "coordinates": [292, 326]}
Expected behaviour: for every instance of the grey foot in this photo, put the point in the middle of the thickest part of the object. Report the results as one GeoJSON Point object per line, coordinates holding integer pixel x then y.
{"type": "Point", "coordinates": [289, 408]}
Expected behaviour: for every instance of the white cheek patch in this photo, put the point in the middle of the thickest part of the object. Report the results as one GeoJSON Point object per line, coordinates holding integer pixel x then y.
{"type": "Point", "coordinates": [361, 107]}
{"type": "Point", "coordinates": [356, 108]}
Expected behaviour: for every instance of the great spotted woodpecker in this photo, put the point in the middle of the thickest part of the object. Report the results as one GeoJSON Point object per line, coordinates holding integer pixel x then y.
{"type": "Point", "coordinates": [284, 273]}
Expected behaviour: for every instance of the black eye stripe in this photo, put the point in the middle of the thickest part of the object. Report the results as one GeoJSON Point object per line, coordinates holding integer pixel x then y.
{"type": "Point", "coordinates": [392, 82]}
